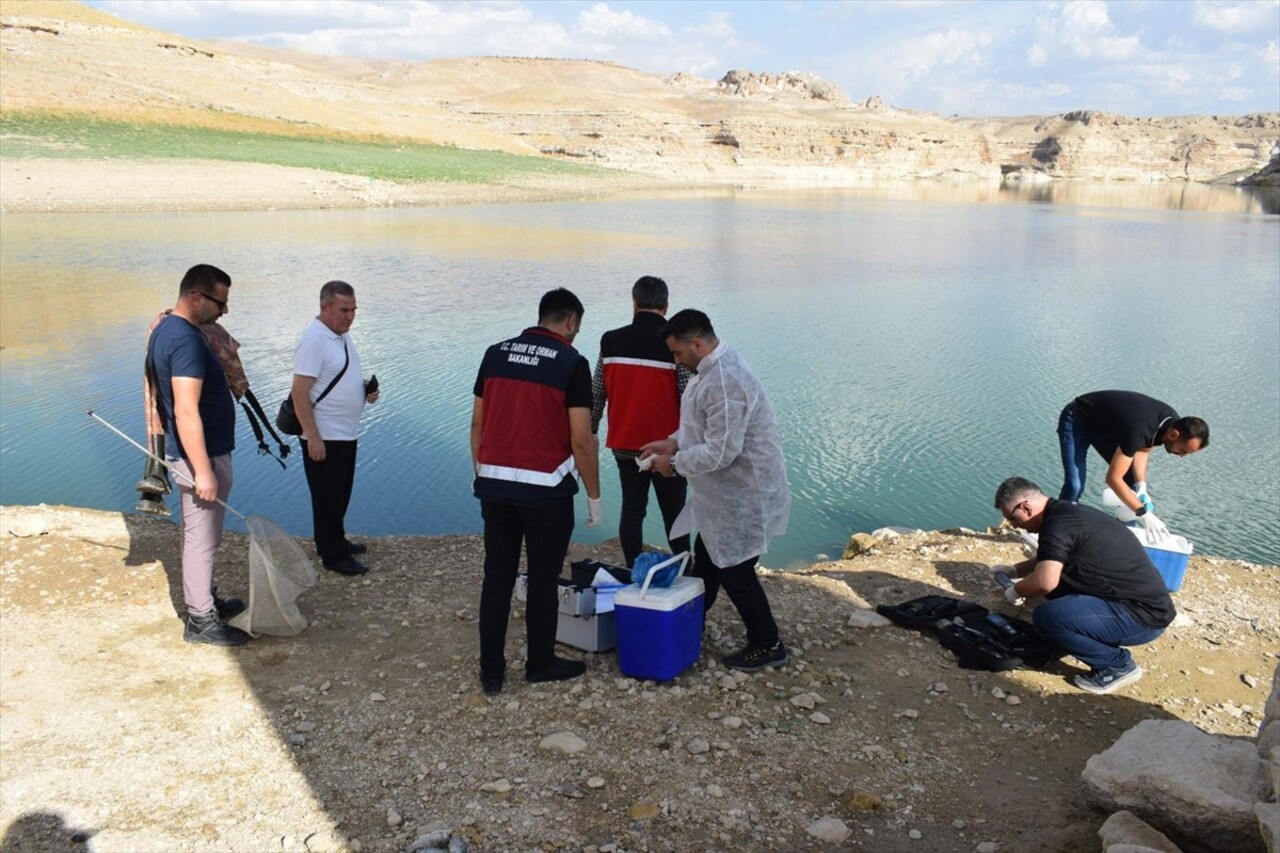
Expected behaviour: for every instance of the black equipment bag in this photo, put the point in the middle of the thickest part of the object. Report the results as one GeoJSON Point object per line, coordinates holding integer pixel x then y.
{"type": "Point", "coordinates": [583, 572]}
{"type": "Point", "coordinates": [979, 638]}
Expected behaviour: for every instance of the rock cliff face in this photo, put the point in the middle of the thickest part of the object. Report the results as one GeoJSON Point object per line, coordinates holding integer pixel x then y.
{"type": "Point", "coordinates": [747, 128]}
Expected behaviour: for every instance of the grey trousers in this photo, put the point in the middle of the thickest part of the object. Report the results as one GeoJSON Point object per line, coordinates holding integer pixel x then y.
{"type": "Point", "coordinates": [201, 533]}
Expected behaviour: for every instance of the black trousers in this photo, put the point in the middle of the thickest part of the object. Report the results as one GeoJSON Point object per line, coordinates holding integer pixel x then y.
{"type": "Point", "coordinates": [671, 493]}
{"type": "Point", "coordinates": [544, 530]}
{"type": "Point", "coordinates": [330, 483]}
{"type": "Point", "coordinates": [744, 590]}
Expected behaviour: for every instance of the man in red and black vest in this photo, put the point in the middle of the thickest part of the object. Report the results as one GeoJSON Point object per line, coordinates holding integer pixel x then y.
{"type": "Point", "coordinates": [530, 439]}
{"type": "Point", "coordinates": [639, 381]}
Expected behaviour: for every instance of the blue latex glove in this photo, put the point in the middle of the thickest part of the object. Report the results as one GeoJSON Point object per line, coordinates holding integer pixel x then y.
{"type": "Point", "coordinates": [1140, 490]}
{"type": "Point", "coordinates": [666, 576]}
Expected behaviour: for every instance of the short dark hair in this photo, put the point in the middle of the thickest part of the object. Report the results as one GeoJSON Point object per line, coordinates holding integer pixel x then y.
{"type": "Point", "coordinates": [334, 289]}
{"type": "Point", "coordinates": [202, 277]}
{"type": "Point", "coordinates": [559, 305]}
{"type": "Point", "coordinates": [687, 324]}
{"type": "Point", "coordinates": [1013, 490]}
{"type": "Point", "coordinates": [1190, 427]}
{"type": "Point", "coordinates": [649, 292]}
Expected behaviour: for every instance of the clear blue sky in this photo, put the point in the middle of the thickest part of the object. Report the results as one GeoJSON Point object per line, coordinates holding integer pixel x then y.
{"type": "Point", "coordinates": [972, 57]}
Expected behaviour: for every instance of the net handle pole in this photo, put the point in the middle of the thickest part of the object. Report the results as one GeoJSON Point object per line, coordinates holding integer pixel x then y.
{"type": "Point", "coordinates": [179, 474]}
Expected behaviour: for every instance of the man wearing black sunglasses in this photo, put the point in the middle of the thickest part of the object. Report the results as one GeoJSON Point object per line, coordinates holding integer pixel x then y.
{"type": "Point", "coordinates": [195, 406]}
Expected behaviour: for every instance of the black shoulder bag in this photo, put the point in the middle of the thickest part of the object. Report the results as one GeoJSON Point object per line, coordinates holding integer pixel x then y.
{"type": "Point", "coordinates": [287, 419]}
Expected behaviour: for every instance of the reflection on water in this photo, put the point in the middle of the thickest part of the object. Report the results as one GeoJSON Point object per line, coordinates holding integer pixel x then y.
{"type": "Point", "coordinates": [917, 340]}
{"type": "Point", "coordinates": [1115, 194]}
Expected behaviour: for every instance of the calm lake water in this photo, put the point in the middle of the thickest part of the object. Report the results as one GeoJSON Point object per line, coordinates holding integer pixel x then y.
{"type": "Point", "coordinates": [917, 342]}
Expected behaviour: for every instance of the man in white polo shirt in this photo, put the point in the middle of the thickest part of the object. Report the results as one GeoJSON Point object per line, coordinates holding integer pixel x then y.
{"type": "Point", "coordinates": [329, 394]}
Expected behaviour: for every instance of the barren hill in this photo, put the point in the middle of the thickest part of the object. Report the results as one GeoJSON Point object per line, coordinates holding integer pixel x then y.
{"type": "Point", "coordinates": [746, 129]}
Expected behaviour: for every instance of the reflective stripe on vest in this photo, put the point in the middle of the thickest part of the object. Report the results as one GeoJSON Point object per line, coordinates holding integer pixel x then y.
{"type": "Point", "coordinates": [550, 479]}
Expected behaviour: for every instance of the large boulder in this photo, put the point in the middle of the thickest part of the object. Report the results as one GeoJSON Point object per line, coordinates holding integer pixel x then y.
{"type": "Point", "coordinates": [859, 543]}
{"type": "Point", "coordinates": [1269, 728]}
{"type": "Point", "coordinates": [1125, 832]}
{"type": "Point", "coordinates": [1269, 825]}
{"type": "Point", "coordinates": [1197, 788]}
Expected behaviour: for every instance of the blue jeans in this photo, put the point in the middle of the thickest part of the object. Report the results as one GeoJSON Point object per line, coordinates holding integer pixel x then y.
{"type": "Point", "coordinates": [1092, 630]}
{"type": "Point", "coordinates": [1075, 439]}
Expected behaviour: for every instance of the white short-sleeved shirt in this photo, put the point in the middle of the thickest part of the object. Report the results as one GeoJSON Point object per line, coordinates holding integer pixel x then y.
{"type": "Point", "coordinates": [320, 355]}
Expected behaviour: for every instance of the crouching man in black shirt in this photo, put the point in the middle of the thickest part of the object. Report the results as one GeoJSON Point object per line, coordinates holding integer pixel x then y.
{"type": "Point", "coordinates": [1104, 593]}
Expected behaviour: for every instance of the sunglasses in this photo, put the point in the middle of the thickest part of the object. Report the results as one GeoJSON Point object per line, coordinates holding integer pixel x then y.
{"type": "Point", "coordinates": [221, 303]}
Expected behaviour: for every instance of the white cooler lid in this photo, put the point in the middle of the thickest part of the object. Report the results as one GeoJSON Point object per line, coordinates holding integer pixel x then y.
{"type": "Point", "coordinates": [685, 589]}
{"type": "Point", "coordinates": [1173, 543]}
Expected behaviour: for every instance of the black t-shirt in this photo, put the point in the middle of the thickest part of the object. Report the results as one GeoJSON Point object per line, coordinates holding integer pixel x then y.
{"type": "Point", "coordinates": [1127, 419]}
{"type": "Point", "coordinates": [1102, 558]}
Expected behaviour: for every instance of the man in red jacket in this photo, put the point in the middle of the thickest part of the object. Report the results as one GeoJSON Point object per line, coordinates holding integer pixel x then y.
{"type": "Point", "coordinates": [639, 381]}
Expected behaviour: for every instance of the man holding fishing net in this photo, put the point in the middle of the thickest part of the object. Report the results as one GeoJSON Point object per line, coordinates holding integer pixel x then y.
{"type": "Point", "coordinates": [198, 413]}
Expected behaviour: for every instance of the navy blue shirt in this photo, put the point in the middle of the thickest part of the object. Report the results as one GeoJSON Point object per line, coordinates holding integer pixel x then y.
{"type": "Point", "coordinates": [176, 348]}
{"type": "Point", "coordinates": [1102, 558]}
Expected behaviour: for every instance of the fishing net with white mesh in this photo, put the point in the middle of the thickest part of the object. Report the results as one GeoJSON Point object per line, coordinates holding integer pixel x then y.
{"type": "Point", "coordinates": [279, 572]}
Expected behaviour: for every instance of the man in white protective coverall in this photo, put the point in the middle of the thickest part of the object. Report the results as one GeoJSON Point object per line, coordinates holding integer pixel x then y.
{"type": "Point", "coordinates": [728, 448]}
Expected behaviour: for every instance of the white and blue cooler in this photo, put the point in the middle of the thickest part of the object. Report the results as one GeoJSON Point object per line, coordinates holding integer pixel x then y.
{"type": "Point", "coordinates": [1169, 556]}
{"type": "Point", "coordinates": [659, 630]}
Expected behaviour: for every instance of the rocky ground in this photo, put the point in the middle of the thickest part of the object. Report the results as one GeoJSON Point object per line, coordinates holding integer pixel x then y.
{"type": "Point", "coordinates": [369, 730]}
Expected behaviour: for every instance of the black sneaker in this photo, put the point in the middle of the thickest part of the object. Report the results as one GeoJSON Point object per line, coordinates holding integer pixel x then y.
{"type": "Point", "coordinates": [560, 670]}
{"type": "Point", "coordinates": [492, 684]}
{"type": "Point", "coordinates": [348, 566]}
{"type": "Point", "coordinates": [356, 547]}
{"type": "Point", "coordinates": [227, 608]}
{"type": "Point", "coordinates": [208, 628]}
{"type": "Point", "coordinates": [754, 658]}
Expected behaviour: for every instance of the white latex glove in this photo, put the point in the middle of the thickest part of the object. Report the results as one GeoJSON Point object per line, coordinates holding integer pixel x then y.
{"type": "Point", "coordinates": [595, 511]}
{"type": "Point", "coordinates": [1030, 544]}
{"type": "Point", "coordinates": [1001, 570]}
{"type": "Point", "coordinates": [1011, 595]}
{"type": "Point", "coordinates": [1156, 529]}
{"type": "Point", "coordinates": [644, 463]}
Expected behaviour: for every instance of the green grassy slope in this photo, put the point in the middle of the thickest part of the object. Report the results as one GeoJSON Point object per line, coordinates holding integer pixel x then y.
{"type": "Point", "coordinates": [32, 134]}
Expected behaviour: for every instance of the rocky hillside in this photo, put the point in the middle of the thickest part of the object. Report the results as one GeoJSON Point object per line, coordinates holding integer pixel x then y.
{"type": "Point", "coordinates": [746, 128]}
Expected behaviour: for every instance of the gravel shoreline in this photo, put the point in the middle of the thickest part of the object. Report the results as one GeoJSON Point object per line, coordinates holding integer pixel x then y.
{"type": "Point", "coordinates": [369, 730]}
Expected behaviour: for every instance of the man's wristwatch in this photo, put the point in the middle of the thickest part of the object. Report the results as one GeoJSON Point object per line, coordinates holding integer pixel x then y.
{"type": "Point", "coordinates": [1140, 511]}
{"type": "Point", "coordinates": [672, 463]}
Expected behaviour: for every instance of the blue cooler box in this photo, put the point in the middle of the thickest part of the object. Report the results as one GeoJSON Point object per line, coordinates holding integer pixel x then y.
{"type": "Point", "coordinates": [659, 630]}
{"type": "Point", "coordinates": [1170, 557]}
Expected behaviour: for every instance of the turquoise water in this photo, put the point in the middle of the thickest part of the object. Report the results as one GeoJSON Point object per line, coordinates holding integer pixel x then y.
{"type": "Point", "coordinates": [917, 343]}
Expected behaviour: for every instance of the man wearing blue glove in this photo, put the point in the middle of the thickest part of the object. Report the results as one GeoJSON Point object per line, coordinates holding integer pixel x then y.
{"type": "Point", "coordinates": [1103, 592]}
{"type": "Point", "coordinates": [530, 440]}
{"type": "Point", "coordinates": [1123, 426]}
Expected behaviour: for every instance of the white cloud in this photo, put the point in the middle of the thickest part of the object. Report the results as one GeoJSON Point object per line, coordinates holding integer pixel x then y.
{"type": "Point", "coordinates": [601, 21]}
{"type": "Point", "coordinates": [1236, 17]}
{"type": "Point", "coordinates": [1271, 53]}
{"type": "Point", "coordinates": [1237, 94]}
{"type": "Point", "coordinates": [944, 65]}
{"type": "Point", "coordinates": [1037, 56]}
{"type": "Point", "coordinates": [1084, 27]}
{"type": "Point", "coordinates": [918, 58]}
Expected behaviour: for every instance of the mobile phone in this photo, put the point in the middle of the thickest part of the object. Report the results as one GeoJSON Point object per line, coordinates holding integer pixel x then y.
{"type": "Point", "coordinates": [371, 385]}
{"type": "Point", "coordinates": [1001, 624]}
